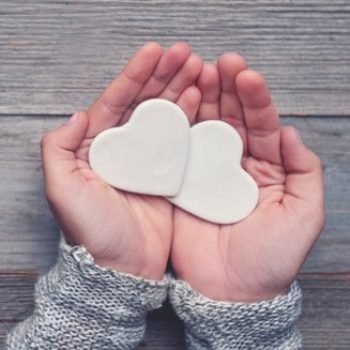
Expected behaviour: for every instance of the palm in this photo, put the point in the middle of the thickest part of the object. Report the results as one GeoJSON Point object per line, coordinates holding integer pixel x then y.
{"type": "Point", "coordinates": [222, 250]}
{"type": "Point", "coordinates": [247, 260]}
{"type": "Point", "coordinates": [132, 225]}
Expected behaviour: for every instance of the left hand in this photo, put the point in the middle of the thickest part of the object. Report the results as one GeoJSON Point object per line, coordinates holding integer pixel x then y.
{"type": "Point", "coordinates": [128, 232]}
{"type": "Point", "coordinates": [258, 257]}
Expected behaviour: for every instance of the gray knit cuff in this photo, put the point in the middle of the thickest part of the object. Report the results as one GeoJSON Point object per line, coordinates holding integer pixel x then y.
{"type": "Point", "coordinates": [223, 325]}
{"type": "Point", "coordinates": [79, 305]}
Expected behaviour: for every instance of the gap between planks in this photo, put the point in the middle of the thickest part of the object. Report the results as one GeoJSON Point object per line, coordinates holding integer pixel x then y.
{"type": "Point", "coordinates": [63, 115]}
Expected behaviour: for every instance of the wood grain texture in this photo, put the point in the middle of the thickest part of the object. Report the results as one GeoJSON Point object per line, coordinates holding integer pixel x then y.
{"type": "Point", "coordinates": [325, 322]}
{"type": "Point", "coordinates": [28, 233]}
{"type": "Point", "coordinates": [56, 56]}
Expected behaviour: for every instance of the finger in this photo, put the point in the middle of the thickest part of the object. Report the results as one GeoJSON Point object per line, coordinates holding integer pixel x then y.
{"type": "Point", "coordinates": [58, 149]}
{"type": "Point", "coordinates": [231, 111]}
{"type": "Point", "coordinates": [209, 86]}
{"type": "Point", "coordinates": [168, 66]}
{"type": "Point", "coordinates": [304, 170]}
{"type": "Point", "coordinates": [115, 100]}
{"type": "Point", "coordinates": [260, 116]}
{"type": "Point", "coordinates": [170, 63]}
{"type": "Point", "coordinates": [304, 182]}
{"type": "Point", "coordinates": [184, 78]}
{"type": "Point", "coordinates": [189, 102]}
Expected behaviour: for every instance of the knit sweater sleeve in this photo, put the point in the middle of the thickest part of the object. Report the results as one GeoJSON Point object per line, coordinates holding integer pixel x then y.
{"type": "Point", "coordinates": [214, 325]}
{"type": "Point", "coordinates": [79, 305]}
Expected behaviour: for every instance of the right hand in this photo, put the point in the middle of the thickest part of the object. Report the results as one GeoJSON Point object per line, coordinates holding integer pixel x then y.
{"type": "Point", "coordinates": [128, 232]}
{"type": "Point", "coordinates": [258, 257]}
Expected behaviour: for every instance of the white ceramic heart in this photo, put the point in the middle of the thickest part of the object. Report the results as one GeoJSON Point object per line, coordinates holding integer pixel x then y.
{"type": "Point", "coordinates": [215, 186]}
{"type": "Point", "coordinates": [146, 155]}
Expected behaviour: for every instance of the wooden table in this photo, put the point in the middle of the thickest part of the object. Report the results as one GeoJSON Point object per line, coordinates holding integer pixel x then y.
{"type": "Point", "coordinates": [56, 56]}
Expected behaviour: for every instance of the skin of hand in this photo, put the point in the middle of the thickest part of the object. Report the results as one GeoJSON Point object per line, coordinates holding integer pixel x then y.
{"type": "Point", "coordinates": [128, 232]}
{"type": "Point", "coordinates": [258, 257]}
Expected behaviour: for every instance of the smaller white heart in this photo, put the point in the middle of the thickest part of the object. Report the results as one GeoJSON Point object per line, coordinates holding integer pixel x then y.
{"type": "Point", "coordinates": [146, 155]}
{"type": "Point", "coordinates": [216, 187]}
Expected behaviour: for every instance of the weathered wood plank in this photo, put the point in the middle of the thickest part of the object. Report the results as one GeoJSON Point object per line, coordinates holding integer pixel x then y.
{"type": "Point", "coordinates": [325, 322]}
{"type": "Point", "coordinates": [55, 56]}
{"type": "Point", "coordinates": [16, 295]}
{"type": "Point", "coordinates": [28, 233]}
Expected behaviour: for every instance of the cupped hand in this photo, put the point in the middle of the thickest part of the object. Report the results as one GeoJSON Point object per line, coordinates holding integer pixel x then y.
{"type": "Point", "coordinates": [258, 257]}
{"type": "Point", "coordinates": [128, 232]}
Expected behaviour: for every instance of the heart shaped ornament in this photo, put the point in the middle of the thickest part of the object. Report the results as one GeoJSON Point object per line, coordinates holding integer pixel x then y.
{"type": "Point", "coordinates": [215, 186]}
{"type": "Point", "coordinates": [146, 155]}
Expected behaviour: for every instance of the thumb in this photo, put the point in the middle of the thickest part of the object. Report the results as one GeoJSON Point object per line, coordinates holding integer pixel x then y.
{"type": "Point", "coordinates": [304, 173]}
{"type": "Point", "coordinates": [58, 149]}
{"type": "Point", "coordinates": [297, 158]}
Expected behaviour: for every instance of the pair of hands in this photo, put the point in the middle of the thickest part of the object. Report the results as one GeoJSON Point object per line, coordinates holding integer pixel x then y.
{"type": "Point", "coordinates": [251, 260]}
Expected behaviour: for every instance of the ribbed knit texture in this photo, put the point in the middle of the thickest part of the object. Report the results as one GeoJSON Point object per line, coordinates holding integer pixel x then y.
{"type": "Point", "coordinates": [215, 325]}
{"type": "Point", "coordinates": [79, 305]}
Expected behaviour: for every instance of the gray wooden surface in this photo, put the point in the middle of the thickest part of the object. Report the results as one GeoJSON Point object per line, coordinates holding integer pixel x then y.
{"type": "Point", "coordinates": [56, 56]}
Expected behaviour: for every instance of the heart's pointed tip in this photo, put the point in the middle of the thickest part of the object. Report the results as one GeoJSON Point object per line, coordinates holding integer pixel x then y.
{"type": "Point", "coordinates": [216, 211]}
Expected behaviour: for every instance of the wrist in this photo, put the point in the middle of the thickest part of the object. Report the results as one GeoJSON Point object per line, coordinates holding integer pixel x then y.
{"type": "Point", "coordinates": [138, 264]}
{"type": "Point", "coordinates": [219, 289]}
{"type": "Point", "coordinates": [155, 273]}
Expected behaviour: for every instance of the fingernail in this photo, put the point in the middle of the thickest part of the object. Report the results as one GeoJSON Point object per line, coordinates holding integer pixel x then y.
{"type": "Point", "coordinates": [73, 118]}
